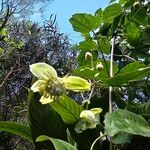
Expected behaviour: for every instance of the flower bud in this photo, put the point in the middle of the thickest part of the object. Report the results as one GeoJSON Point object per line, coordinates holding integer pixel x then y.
{"type": "Point", "coordinates": [87, 116]}
{"type": "Point", "coordinates": [99, 66]}
{"type": "Point", "coordinates": [136, 5]}
{"type": "Point", "coordinates": [88, 56]}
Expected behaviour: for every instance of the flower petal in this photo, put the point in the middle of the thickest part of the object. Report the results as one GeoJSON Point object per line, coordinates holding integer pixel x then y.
{"type": "Point", "coordinates": [76, 84]}
{"type": "Point", "coordinates": [96, 110]}
{"type": "Point", "coordinates": [43, 71]}
{"type": "Point", "coordinates": [39, 86]}
{"type": "Point", "coordinates": [46, 99]}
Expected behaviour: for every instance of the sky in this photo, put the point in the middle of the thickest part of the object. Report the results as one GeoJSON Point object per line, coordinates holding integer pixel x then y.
{"type": "Point", "coordinates": [64, 9]}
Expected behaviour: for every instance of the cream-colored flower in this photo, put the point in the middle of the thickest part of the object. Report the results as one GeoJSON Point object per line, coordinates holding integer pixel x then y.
{"type": "Point", "coordinates": [51, 86]}
{"type": "Point", "coordinates": [88, 119]}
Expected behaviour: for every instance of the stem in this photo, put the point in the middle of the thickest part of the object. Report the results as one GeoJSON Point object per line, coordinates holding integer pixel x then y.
{"type": "Point", "coordinates": [92, 146]}
{"type": "Point", "coordinates": [111, 74]}
{"type": "Point", "coordinates": [110, 87]}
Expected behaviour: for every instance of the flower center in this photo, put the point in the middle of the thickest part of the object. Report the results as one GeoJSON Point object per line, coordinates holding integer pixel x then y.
{"type": "Point", "coordinates": [55, 88]}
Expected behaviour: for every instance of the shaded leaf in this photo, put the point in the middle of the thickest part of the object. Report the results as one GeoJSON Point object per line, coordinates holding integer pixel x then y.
{"type": "Point", "coordinates": [146, 36]}
{"type": "Point", "coordinates": [126, 121]}
{"type": "Point", "coordinates": [121, 138]}
{"type": "Point", "coordinates": [140, 16]}
{"type": "Point", "coordinates": [132, 34]}
{"type": "Point", "coordinates": [104, 44]}
{"type": "Point", "coordinates": [44, 120]}
{"type": "Point", "coordinates": [16, 128]}
{"type": "Point", "coordinates": [58, 144]}
{"type": "Point", "coordinates": [144, 108]}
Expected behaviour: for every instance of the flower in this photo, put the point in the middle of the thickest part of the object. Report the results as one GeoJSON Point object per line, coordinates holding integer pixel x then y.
{"type": "Point", "coordinates": [88, 119]}
{"type": "Point", "coordinates": [50, 86]}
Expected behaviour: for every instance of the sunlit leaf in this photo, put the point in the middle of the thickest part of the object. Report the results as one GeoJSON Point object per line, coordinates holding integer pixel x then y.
{"type": "Point", "coordinates": [111, 12]}
{"type": "Point", "coordinates": [84, 23]}
{"type": "Point", "coordinates": [68, 109]}
{"type": "Point", "coordinates": [125, 77]}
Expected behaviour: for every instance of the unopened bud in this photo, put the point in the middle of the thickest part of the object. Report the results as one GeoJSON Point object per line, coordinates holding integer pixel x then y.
{"type": "Point", "coordinates": [88, 56]}
{"type": "Point", "coordinates": [136, 5]}
{"type": "Point", "coordinates": [99, 66]}
{"type": "Point", "coordinates": [87, 116]}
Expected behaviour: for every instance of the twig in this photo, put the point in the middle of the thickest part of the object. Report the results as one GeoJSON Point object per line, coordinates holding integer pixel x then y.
{"type": "Point", "coordinates": [126, 56]}
{"type": "Point", "coordinates": [7, 76]}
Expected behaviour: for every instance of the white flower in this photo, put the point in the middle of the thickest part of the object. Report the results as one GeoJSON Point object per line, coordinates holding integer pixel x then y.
{"type": "Point", "coordinates": [88, 119]}
{"type": "Point", "coordinates": [51, 86]}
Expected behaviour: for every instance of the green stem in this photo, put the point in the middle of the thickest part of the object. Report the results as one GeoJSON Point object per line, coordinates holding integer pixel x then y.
{"type": "Point", "coordinates": [110, 87]}
{"type": "Point", "coordinates": [111, 74]}
{"type": "Point", "coordinates": [100, 137]}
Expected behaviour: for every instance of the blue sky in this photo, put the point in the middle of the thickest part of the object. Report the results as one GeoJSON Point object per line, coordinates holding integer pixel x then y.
{"type": "Point", "coordinates": [64, 9]}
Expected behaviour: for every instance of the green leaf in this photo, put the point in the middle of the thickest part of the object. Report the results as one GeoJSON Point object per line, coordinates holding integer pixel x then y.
{"type": "Point", "coordinates": [58, 144]}
{"type": "Point", "coordinates": [68, 109]}
{"type": "Point", "coordinates": [132, 33]}
{"type": "Point", "coordinates": [85, 72]}
{"type": "Point", "coordinates": [138, 16]}
{"type": "Point", "coordinates": [16, 128]}
{"type": "Point", "coordinates": [1, 51]}
{"type": "Point", "coordinates": [44, 120]}
{"type": "Point", "coordinates": [104, 44]}
{"type": "Point", "coordinates": [3, 32]}
{"type": "Point", "coordinates": [111, 12]}
{"type": "Point", "coordinates": [84, 23]}
{"type": "Point", "coordinates": [144, 108]}
{"type": "Point", "coordinates": [131, 67]}
{"type": "Point", "coordinates": [126, 121]}
{"type": "Point", "coordinates": [146, 36]}
{"type": "Point", "coordinates": [121, 138]}
{"type": "Point", "coordinates": [87, 45]}
{"type": "Point", "coordinates": [125, 77]}
{"type": "Point", "coordinates": [127, 3]}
